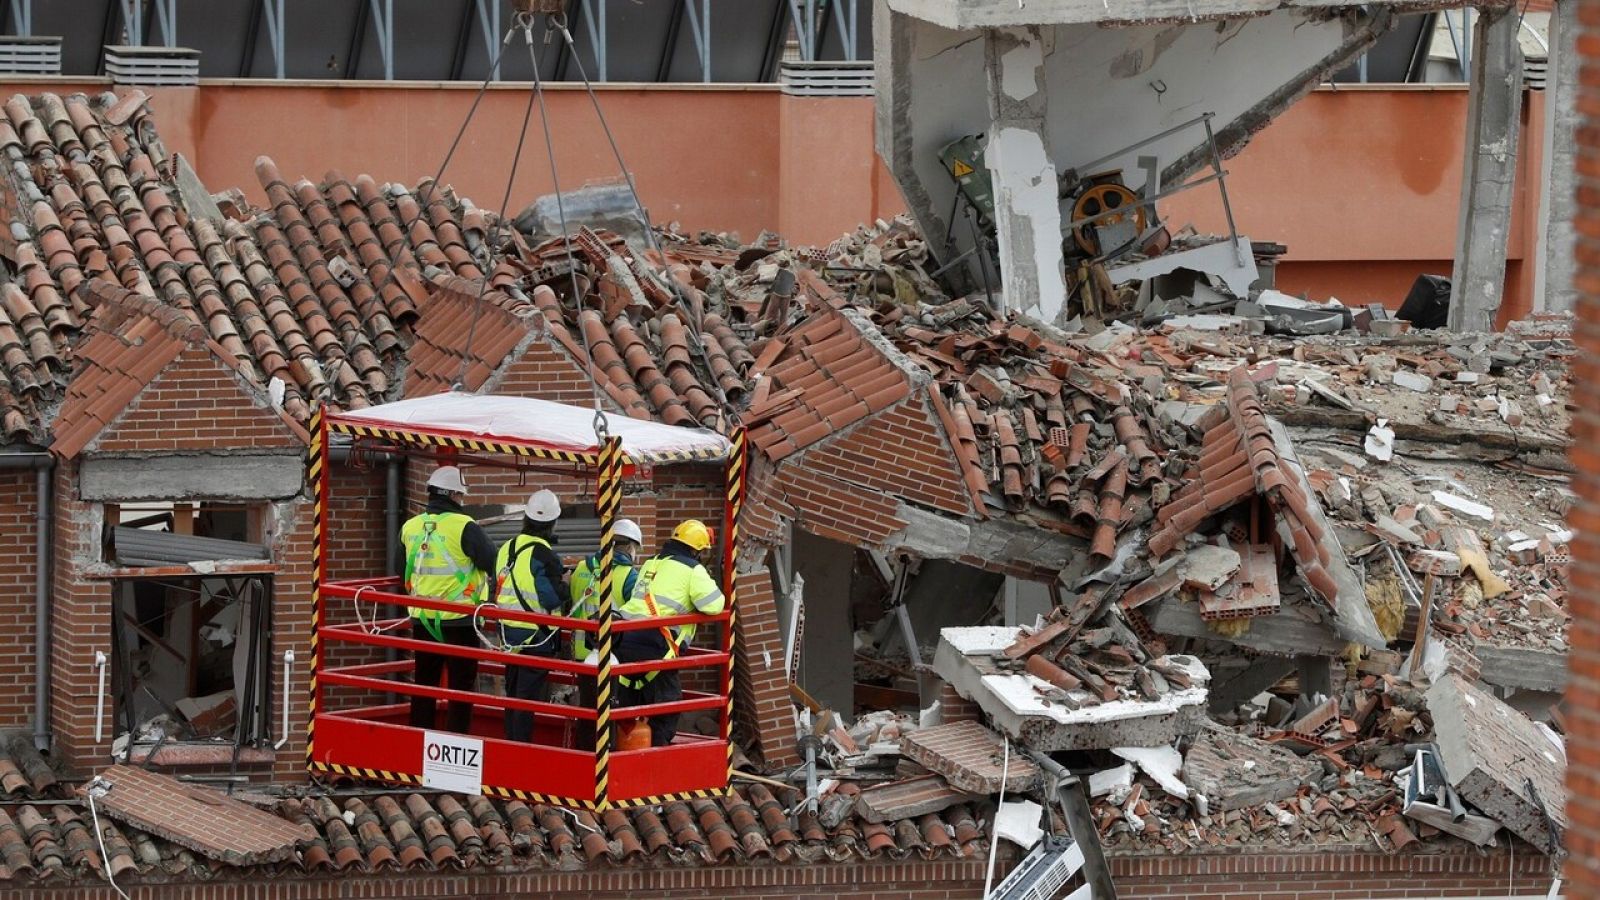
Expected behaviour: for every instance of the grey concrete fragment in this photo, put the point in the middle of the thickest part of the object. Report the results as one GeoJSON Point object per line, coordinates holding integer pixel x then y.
{"type": "Point", "coordinates": [1488, 175]}
{"type": "Point", "coordinates": [1235, 770]}
{"type": "Point", "coordinates": [1289, 631]}
{"type": "Point", "coordinates": [1499, 761]}
{"type": "Point", "coordinates": [208, 476]}
{"type": "Point", "coordinates": [1553, 290]}
{"type": "Point", "coordinates": [1524, 668]}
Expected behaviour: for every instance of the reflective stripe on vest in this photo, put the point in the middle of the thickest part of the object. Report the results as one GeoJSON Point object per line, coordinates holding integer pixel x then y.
{"type": "Point", "coordinates": [438, 567]}
{"type": "Point", "coordinates": [662, 581]}
{"type": "Point", "coordinates": [586, 597]}
{"type": "Point", "coordinates": [517, 588]}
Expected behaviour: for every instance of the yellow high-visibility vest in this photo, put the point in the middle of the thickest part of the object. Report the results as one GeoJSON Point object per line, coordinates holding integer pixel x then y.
{"type": "Point", "coordinates": [438, 567]}
{"type": "Point", "coordinates": [670, 587]}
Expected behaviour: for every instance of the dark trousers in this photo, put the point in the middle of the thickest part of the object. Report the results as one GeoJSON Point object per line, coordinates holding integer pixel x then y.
{"type": "Point", "coordinates": [463, 674]}
{"type": "Point", "coordinates": [663, 688]}
{"type": "Point", "coordinates": [524, 683]}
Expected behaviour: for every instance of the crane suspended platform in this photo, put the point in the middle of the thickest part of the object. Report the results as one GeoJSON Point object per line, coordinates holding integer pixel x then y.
{"type": "Point", "coordinates": [573, 759]}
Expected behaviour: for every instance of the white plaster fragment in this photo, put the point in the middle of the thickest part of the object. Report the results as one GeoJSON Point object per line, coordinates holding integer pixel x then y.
{"type": "Point", "coordinates": [1026, 196]}
{"type": "Point", "coordinates": [1380, 441]}
{"type": "Point", "coordinates": [1018, 822]}
{"type": "Point", "coordinates": [1108, 781]}
{"type": "Point", "coordinates": [1021, 66]}
{"type": "Point", "coordinates": [1161, 764]}
{"type": "Point", "coordinates": [1464, 506]}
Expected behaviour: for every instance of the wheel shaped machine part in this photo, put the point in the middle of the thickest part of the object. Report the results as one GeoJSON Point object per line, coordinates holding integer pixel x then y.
{"type": "Point", "coordinates": [1104, 198]}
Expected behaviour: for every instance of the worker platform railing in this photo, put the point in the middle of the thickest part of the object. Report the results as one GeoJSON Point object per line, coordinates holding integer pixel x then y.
{"type": "Point", "coordinates": [576, 757]}
{"type": "Point", "coordinates": [375, 742]}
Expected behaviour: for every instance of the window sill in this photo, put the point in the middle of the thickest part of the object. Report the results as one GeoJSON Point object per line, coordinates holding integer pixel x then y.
{"type": "Point", "coordinates": [182, 754]}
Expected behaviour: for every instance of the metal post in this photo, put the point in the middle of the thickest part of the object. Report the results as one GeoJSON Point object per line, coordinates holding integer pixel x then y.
{"type": "Point", "coordinates": [608, 502]}
{"type": "Point", "coordinates": [22, 17]}
{"type": "Point", "coordinates": [167, 18]}
{"type": "Point", "coordinates": [1466, 43]}
{"type": "Point", "coordinates": [1361, 68]}
{"type": "Point", "coordinates": [844, 16]}
{"type": "Point", "coordinates": [1080, 821]}
{"type": "Point", "coordinates": [1455, 43]}
{"type": "Point", "coordinates": [132, 22]}
{"type": "Point", "coordinates": [383, 21]}
{"type": "Point", "coordinates": [733, 504]}
{"type": "Point", "coordinates": [700, 30]}
{"type": "Point", "coordinates": [275, 34]}
{"type": "Point", "coordinates": [803, 28]}
{"type": "Point", "coordinates": [598, 32]}
{"type": "Point", "coordinates": [317, 474]}
{"type": "Point", "coordinates": [489, 23]}
{"type": "Point", "coordinates": [1222, 188]}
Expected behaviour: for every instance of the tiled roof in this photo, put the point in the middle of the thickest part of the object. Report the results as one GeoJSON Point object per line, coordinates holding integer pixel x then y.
{"type": "Point", "coordinates": [393, 832]}
{"type": "Point", "coordinates": [24, 773]}
{"type": "Point", "coordinates": [1238, 460]}
{"type": "Point", "coordinates": [132, 338]}
{"type": "Point", "coordinates": [820, 377]}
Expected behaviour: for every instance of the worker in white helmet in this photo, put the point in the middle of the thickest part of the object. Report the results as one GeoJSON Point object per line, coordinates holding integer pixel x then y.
{"type": "Point", "coordinates": [586, 606]}
{"type": "Point", "coordinates": [448, 557]}
{"type": "Point", "coordinates": [530, 577]}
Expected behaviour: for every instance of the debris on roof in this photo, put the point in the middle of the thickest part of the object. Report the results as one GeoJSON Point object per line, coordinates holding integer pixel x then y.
{"type": "Point", "coordinates": [202, 819]}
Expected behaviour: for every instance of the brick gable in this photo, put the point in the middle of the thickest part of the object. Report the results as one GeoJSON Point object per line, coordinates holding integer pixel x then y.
{"type": "Point", "coordinates": [195, 404]}
{"type": "Point", "coordinates": [902, 451]}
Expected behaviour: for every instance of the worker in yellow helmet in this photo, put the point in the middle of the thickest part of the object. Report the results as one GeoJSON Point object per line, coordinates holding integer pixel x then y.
{"type": "Point", "coordinates": [448, 557]}
{"type": "Point", "coordinates": [529, 579]}
{"type": "Point", "coordinates": [672, 583]}
{"type": "Point", "coordinates": [586, 605]}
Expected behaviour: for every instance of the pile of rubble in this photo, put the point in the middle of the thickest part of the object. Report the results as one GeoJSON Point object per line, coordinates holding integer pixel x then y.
{"type": "Point", "coordinates": [1314, 532]}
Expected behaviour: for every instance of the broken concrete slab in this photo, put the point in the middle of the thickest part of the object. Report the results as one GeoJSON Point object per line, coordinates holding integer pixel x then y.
{"type": "Point", "coordinates": [1523, 668]}
{"type": "Point", "coordinates": [971, 758]}
{"type": "Point", "coordinates": [1234, 770]}
{"type": "Point", "coordinates": [1499, 761]}
{"type": "Point", "coordinates": [1208, 567]}
{"type": "Point", "coordinates": [907, 799]}
{"type": "Point", "coordinates": [202, 819]}
{"type": "Point", "coordinates": [1018, 708]}
{"type": "Point", "coordinates": [1291, 630]}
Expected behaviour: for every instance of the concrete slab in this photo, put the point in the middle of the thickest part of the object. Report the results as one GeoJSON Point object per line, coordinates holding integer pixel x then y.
{"type": "Point", "coordinates": [1499, 761]}
{"type": "Point", "coordinates": [1016, 706]}
{"type": "Point", "coordinates": [991, 13]}
{"type": "Point", "coordinates": [214, 476]}
{"type": "Point", "coordinates": [1235, 770]}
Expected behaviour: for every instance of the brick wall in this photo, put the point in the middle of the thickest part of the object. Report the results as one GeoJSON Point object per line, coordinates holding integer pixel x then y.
{"type": "Point", "coordinates": [902, 451]}
{"type": "Point", "coordinates": [1583, 689]}
{"type": "Point", "coordinates": [1335, 875]}
{"type": "Point", "coordinates": [763, 713]}
{"type": "Point", "coordinates": [19, 507]}
{"type": "Point", "coordinates": [80, 624]}
{"type": "Point", "coordinates": [196, 403]}
{"type": "Point", "coordinates": [1352, 875]}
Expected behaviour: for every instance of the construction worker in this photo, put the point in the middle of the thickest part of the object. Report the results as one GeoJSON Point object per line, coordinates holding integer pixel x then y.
{"type": "Point", "coordinates": [529, 577]}
{"type": "Point", "coordinates": [448, 557]}
{"type": "Point", "coordinates": [586, 606]}
{"type": "Point", "coordinates": [672, 583]}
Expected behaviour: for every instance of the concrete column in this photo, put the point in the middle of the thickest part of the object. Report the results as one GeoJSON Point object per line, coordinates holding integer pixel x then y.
{"type": "Point", "coordinates": [1553, 264]}
{"type": "Point", "coordinates": [1027, 210]}
{"type": "Point", "coordinates": [1488, 173]}
{"type": "Point", "coordinates": [827, 651]}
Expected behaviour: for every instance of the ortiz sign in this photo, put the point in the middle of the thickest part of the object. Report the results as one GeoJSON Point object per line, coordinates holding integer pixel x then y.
{"type": "Point", "coordinates": [451, 762]}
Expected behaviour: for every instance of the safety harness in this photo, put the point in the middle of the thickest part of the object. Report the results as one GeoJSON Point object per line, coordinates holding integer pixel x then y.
{"type": "Point", "coordinates": [422, 558]}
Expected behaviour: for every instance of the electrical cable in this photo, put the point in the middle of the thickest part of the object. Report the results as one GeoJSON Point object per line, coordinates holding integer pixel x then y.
{"type": "Point", "coordinates": [994, 841]}
{"type": "Point", "coordinates": [98, 788]}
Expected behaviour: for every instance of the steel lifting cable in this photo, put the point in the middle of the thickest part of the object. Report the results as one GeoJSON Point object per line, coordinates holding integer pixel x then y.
{"type": "Point", "coordinates": [553, 22]}
{"type": "Point", "coordinates": [693, 334]}
{"type": "Point", "coordinates": [523, 21]}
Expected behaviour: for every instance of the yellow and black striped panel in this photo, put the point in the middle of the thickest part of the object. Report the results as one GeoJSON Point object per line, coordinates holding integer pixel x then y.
{"type": "Point", "coordinates": [700, 454]}
{"type": "Point", "coordinates": [366, 774]}
{"type": "Point", "coordinates": [535, 797]}
{"type": "Point", "coordinates": [658, 799]}
{"type": "Point", "coordinates": [317, 474]}
{"type": "Point", "coordinates": [737, 470]}
{"type": "Point", "coordinates": [455, 443]}
{"type": "Point", "coordinates": [608, 502]}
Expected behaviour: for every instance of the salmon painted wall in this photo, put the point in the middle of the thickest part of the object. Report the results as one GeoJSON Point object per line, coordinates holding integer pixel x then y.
{"type": "Point", "coordinates": [1361, 183]}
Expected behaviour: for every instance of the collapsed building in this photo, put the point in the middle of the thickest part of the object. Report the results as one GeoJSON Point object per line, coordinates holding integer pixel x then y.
{"type": "Point", "coordinates": [1151, 552]}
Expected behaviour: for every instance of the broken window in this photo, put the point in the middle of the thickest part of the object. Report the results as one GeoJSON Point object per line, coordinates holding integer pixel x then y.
{"type": "Point", "coordinates": [191, 660]}
{"type": "Point", "coordinates": [191, 655]}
